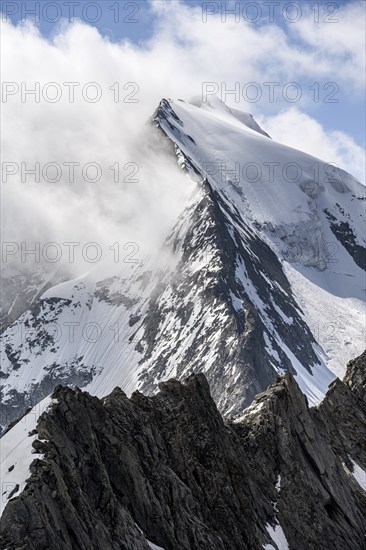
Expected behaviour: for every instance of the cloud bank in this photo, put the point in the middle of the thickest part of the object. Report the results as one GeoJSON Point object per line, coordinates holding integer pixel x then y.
{"type": "Point", "coordinates": [95, 97]}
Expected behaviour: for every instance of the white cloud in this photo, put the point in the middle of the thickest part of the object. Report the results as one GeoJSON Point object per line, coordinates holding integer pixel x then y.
{"type": "Point", "coordinates": [339, 46]}
{"type": "Point", "coordinates": [181, 55]}
{"type": "Point", "coordinates": [299, 130]}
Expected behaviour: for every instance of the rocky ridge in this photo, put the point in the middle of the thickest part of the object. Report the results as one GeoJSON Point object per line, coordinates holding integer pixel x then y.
{"type": "Point", "coordinates": [168, 472]}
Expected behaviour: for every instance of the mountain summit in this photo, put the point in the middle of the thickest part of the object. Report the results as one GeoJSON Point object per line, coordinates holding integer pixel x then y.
{"type": "Point", "coordinates": [262, 274]}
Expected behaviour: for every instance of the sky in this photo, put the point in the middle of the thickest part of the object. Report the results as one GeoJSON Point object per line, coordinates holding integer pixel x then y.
{"type": "Point", "coordinates": [317, 45]}
{"type": "Point", "coordinates": [102, 67]}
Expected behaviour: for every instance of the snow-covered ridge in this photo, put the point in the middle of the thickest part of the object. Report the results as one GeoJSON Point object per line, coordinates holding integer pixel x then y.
{"type": "Point", "coordinates": [298, 204]}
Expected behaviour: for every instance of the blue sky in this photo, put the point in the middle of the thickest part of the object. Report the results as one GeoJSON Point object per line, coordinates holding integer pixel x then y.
{"type": "Point", "coordinates": [320, 33]}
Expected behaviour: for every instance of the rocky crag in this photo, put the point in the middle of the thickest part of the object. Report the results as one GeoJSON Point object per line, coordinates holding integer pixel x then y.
{"type": "Point", "coordinates": [167, 472]}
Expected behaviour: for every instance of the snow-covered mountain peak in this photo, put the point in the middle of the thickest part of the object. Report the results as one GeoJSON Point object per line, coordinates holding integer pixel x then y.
{"type": "Point", "coordinates": [216, 105]}
{"type": "Point", "coordinates": [310, 213]}
{"type": "Point", "coordinates": [262, 273]}
{"type": "Point", "coordinates": [277, 187]}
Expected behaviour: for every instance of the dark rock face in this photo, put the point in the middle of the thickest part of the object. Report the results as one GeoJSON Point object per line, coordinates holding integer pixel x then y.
{"type": "Point", "coordinates": [118, 473]}
{"type": "Point", "coordinates": [355, 377]}
{"type": "Point", "coordinates": [240, 274]}
{"type": "Point", "coordinates": [343, 232]}
{"type": "Point", "coordinates": [343, 413]}
{"type": "Point", "coordinates": [20, 291]}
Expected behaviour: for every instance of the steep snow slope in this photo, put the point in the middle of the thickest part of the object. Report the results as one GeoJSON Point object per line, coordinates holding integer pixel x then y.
{"type": "Point", "coordinates": [68, 335]}
{"type": "Point", "coordinates": [17, 453]}
{"type": "Point", "coordinates": [20, 288]}
{"type": "Point", "coordinates": [244, 288]}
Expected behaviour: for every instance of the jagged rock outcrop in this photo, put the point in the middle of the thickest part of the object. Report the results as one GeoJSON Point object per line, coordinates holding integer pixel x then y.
{"type": "Point", "coordinates": [166, 470]}
{"type": "Point", "coordinates": [343, 415]}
